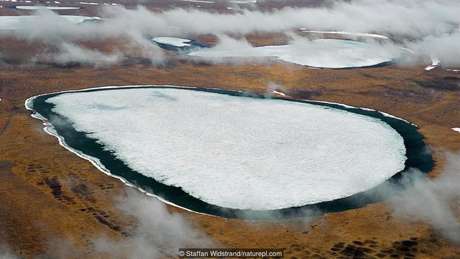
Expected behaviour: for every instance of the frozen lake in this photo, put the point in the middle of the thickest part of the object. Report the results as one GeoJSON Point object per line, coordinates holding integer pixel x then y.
{"type": "Point", "coordinates": [320, 53]}
{"type": "Point", "coordinates": [210, 149]}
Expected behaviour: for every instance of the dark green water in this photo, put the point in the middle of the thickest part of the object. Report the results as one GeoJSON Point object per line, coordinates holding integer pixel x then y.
{"type": "Point", "coordinates": [416, 152]}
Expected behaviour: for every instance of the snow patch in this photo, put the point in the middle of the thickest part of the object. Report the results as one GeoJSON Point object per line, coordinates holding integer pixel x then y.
{"type": "Point", "coordinates": [243, 1]}
{"type": "Point", "coordinates": [88, 3]}
{"type": "Point", "coordinates": [435, 62]}
{"type": "Point", "coordinates": [199, 1]}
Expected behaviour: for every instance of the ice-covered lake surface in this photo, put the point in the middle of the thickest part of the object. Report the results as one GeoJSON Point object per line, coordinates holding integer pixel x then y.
{"type": "Point", "coordinates": [38, 7]}
{"type": "Point", "coordinates": [222, 149]}
{"type": "Point", "coordinates": [13, 23]}
{"type": "Point", "coordinates": [320, 53]}
{"type": "Point", "coordinates": [347, 34]}
{"type": "Point", "coordinates": [173, 41]}
{"type": "Point", "coordinates": [178, 44]}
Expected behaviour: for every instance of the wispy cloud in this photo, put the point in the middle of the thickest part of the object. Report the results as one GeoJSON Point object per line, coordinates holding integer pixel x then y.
{"type": "Point", "coordinates": [431, 28]}
{"type": "Point", "coordinates": [434, 201]}
{"type": "Point", "coordinates": [6, 253]}
{"type": "Point", "coordinates": [158, 233]}
{"type": "Point", "coordinates": [69, 53]}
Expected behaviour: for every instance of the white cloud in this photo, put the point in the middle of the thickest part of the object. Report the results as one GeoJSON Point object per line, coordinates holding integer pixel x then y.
{"type": "Point", "coordinates": [158, 233]}
{"type": "Point", "coordinates": [6, 253]}
{"type": "Point", "coordinates": [434, 201]}
{"type": "Point", "coordinates": [430, 27]}
{"type": "Point", "coordinates": [71, 53]}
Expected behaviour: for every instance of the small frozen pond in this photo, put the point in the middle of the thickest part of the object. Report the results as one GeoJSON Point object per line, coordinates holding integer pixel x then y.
{"type": "Point", "coordinates": [178, 44]}
{"type": "Point", "coordinates": [12, 23]}
{"type": "Point", "coordinates": [320, 53]}
{"type": "Point", "coordinates": [38, 7]}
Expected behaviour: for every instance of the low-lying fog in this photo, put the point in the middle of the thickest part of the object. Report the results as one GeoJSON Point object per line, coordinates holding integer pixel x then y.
{"type": "Point", "coordinates": [429, 28]}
